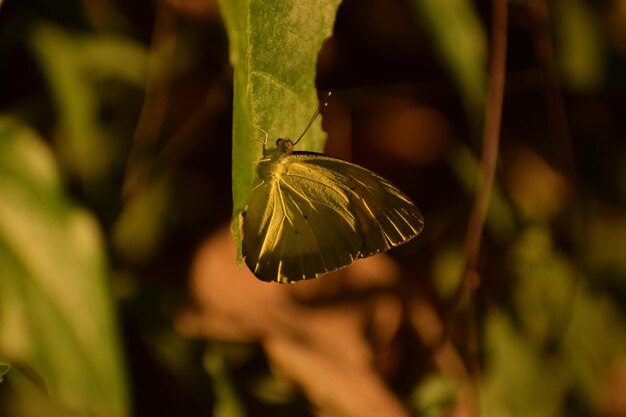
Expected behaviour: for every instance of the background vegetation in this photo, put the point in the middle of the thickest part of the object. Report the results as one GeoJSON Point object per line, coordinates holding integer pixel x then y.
{"type": "Point", "coordinates": [122, 147]}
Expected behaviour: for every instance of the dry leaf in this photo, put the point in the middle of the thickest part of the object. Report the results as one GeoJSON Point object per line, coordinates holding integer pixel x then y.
{"type": "Point", "coordinates": [311, 332]}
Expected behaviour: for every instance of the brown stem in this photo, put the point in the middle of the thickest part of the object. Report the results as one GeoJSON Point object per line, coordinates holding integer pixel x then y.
{"type": "Point", "coordinates": [470, 279]}
{"type": "Point", "coordinates": [490, 144]}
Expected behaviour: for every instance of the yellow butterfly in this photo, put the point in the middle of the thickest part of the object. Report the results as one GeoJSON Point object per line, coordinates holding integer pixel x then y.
{"type": "Point", "coordinates": [310, 214]}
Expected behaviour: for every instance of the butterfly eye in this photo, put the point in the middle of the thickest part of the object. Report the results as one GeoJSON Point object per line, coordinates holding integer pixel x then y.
{"type": "Point", "coordinates": [285, 145]}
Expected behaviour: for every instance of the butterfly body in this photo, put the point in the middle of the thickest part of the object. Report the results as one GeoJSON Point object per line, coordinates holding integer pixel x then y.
{"type": "Point", "coordinates": [310, 214]}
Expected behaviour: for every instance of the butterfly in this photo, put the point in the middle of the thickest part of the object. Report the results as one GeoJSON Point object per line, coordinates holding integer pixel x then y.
{"type": "Point", "coordinates": [310, 214]}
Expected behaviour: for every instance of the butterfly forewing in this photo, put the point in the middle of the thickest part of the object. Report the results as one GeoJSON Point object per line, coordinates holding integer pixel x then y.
{"type": "Point", "coordinates": [314, 214]}
{"type": "Point", "coordinates": [387, 217]}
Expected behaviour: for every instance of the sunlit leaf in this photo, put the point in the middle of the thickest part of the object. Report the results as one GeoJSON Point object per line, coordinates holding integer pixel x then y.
{"type": "Point", "coordinates": [56, 311]}
{"type": "Point", "coordinates": [273, 50]}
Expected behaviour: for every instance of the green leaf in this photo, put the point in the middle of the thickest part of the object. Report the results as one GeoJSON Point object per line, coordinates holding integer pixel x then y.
{"type": "Point", "coordinates": [579, 43]}
{"type": "Point", "coordinates": [4, 369]}
{"type": "Point", "coordinates": [447, 269]}
{"type": "Point", "coordinates": [56, 312]}
{"type": "Point", "coordinates": [434, 396]}
{"type": "Point", "coordinates": [273, 50]}
{"type": "Point", "coordinates": [595, 343]}
{"type": "Point", "coordinates": [228, 403]}
{"type": "Point", "coordinates": [459, 37]}
{"type": "Point", "coordinates": [544, 285]}
{"type": "Point", "coordinates": [72, 63]}
{"type": "Point", "coordinates": [517, 380]}
{"type": "Point", "coordinates": [606, 243]}
{"type": "Point", "coordinates": [140, 227]}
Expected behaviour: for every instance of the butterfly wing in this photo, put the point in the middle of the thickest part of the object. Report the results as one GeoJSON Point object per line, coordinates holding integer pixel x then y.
{"type": "Point", "coordinates": [316, 214]}
{"type": "Point", "coordinates": [387, 217]}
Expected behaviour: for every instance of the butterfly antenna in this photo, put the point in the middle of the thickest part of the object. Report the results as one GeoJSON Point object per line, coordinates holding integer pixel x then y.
{"type": "Point", "coordinates": [317, 113]}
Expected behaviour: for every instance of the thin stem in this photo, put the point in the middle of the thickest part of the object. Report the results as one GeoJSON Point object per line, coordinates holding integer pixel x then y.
{"type": "Point", "coordinates": [470, 280]}
{"type": "Point", "coordinates": [156, 101]}
{"type": "Point", "coordinates": [184, 141]}
{"type": "Point", "coordinates": [491, 141]}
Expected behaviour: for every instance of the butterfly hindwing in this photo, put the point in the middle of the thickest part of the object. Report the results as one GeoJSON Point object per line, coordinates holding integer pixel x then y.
{"type": "Point", "coordinates": [316, 214]}
{"type": "Point", "coordinates": [293, 230]}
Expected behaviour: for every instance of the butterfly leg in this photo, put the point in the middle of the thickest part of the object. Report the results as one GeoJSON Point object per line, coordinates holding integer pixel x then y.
{"type": "Point", "coordinates": [264, 143]}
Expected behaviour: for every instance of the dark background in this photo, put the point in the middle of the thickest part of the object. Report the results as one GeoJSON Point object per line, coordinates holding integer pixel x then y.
{"type": "Point", "coordinates": [555, 236]}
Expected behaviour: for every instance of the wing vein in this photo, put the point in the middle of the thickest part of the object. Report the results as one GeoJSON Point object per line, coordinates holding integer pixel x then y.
{"type": "Point", "coordinates": [327, 185]}
{"type": "Point", "coordinates": [319, 202]}
{"type": "Point", "coordinates": [315, 237]}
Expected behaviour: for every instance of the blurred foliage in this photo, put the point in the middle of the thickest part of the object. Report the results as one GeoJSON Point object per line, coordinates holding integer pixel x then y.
{"type": "Point", "coordinates": [434, 396]}
{"type": "Point", "coordinates": [227, 402]}
{"type": "Point", "coordinates": [119, 290]}
{"type": "Point", "coordinates": [460, 40]}
{"type": "Point", "coordinates": [581, 49]}
{"type": "Point", "coordinates": [73, 63]}
{"type": "Point", "coordinates": [4, 368]}
{"type": "Point", "coordinates": [53, 265]}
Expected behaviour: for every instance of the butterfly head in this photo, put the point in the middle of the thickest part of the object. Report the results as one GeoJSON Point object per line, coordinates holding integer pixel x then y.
{"type": "Point", "coordinates": [284, 145]}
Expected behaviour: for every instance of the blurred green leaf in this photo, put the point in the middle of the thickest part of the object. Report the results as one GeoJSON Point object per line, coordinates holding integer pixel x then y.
{"type": "Point", "coordinates": [274, 389]}
{"type": "Point", "coordinates": [30, 399]}
{"type": "Point", "coordinates": [435, 396]}
{"type": "Point", "coordinates": [56, 312]}
{"type": "Point", "coordinates": [579, 45]}
{"type": "Point", "coordinates": [447, 268]}
{"type": "Point", "coordinates": [227, 402]}
{"type": "Point", "coordinates": [545, 285]}
{"type": "Point", "coordinates": [273, 50]}
{"type": "Point", "coordinates": [595, 341]}
{"type": "Point", "coordinates": [141, 226]}
{"type": "Point", "coordinates": [4, 369]}
{"type": "Point", "coordinates": [517, 381]}
{"type": "Point", "coordinates": [606, 244]}
{"type": "Point", "coordinates": [72, 63]}
{"type": "Point", "coordinates": [460, 40]}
